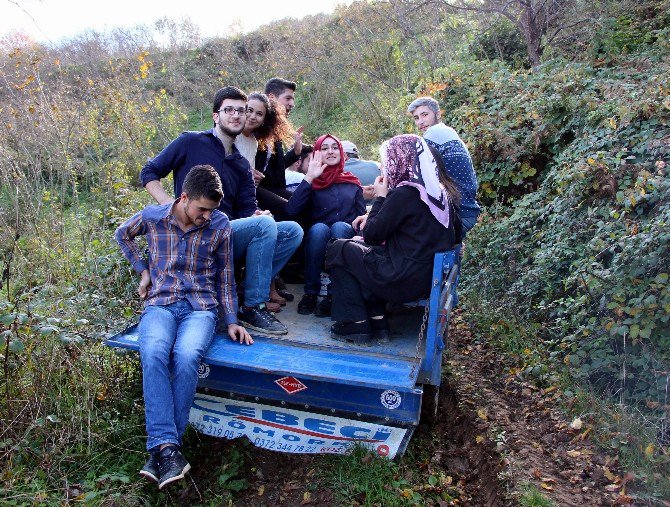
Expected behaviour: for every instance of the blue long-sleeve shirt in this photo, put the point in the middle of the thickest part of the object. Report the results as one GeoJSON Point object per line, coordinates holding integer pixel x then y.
{"type": "Point", "coordinates": [196, 148]}
{"type": "Point", "coordinates": [340, 202]}
{"type": "Point", "coordinates": [458, 162]}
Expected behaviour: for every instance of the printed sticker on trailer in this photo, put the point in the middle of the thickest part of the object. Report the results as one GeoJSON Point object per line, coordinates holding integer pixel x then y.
{"type": "Point", "coordinates": [292, 431]}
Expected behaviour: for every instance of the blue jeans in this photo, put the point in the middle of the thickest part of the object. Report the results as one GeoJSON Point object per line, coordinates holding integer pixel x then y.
{"type": "Point", "coordinates": [258, 239]}
{"type": "Point", "coordinates": [173, 341]}
{"type": "Point", "coordinates": [315, 251]}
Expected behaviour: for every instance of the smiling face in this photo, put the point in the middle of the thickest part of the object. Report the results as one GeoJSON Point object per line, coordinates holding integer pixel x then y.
{"type": "Point", "coordinates": [256, 112]}
{"type": "Point", "coordinates": [231, 123]}
{"type": "Point", "coordinates": [425, 117]}
{"type": "Point", "coordinates": [330, 152]}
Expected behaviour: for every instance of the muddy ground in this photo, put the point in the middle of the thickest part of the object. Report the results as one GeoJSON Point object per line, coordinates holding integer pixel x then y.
{"type": "Point", "coordinates": [495, 435]}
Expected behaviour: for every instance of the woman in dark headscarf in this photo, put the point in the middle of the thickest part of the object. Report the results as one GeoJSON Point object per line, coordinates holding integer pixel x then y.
{"type": "Point", "coordinates": [412, 218]}
{"type": "Point", "coordinates": [331, 199]}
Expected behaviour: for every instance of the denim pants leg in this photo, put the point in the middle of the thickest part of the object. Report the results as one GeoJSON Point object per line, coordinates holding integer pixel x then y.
{"type": "Point", "coordinates": [254, 240]}
{"type": "Point", "coordinates": [289, 237]}
{"type": "Point", "coordinates": [315, 251]}
{"type": "Point", "coordinates": [169, 374]}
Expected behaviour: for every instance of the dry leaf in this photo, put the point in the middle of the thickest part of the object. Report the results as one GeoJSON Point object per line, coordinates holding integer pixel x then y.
{"type": "Point", "coordinates": [306, 498]}
{"type": "Point", "coordinates": [482, 414]}
{"type": "Point", "coordinates": [573, 454]}
{"type": "Point", "coordinates": [546, 486]}
{"type": "Point", "coordinates": [610, 476]}
{"type": "Point", "coordinates": [623, 500]}
{"type": "Point", "coordinates": [612, 487]}
{"type": "Point", "coordinates": [261, 490]}
{"type": "Point", "coordinates": [548, 480]}
{"type": "Point", "coordinates": [480, 439]}
{"type": "Point", "coordinates": [649, 451]}
{"type": "Point", "coordinates": [576, 424]}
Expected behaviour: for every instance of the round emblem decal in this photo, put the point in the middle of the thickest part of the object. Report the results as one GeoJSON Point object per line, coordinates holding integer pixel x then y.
{"type": "Point", "coordinates": [391, 399]}
{"type": "Point", "coordinates": [203, 370]}
{"type": "Point", "coordinates": [383, 450]}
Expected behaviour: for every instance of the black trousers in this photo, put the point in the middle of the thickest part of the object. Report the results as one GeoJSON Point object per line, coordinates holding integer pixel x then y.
{"type": "Point", "coordinates": [352, 301]}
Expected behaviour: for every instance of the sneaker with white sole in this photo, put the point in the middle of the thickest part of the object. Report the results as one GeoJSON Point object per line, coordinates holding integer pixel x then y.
{"type": "Point", "coordinates": [172, 466]}
{"type": "Point", "coordinates": [260, 319]}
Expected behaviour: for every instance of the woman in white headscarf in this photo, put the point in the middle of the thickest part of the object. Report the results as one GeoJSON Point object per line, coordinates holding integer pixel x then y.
{"type": "Point", "coordinates": [413, 217]}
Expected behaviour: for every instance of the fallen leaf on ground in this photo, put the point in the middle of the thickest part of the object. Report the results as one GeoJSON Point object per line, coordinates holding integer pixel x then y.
{"type": "Point", "coordinates": [576, 424]}
{"type": "Point", "coordinates": [573, 454]}
{"type": "Point", "coordinates": [261, 490]}
{"type": "Point", "coordinates": [306, 498]}
{"type": "Point", "coordinates": [546, 486]}
{"type": "Point", "coordinates": [610, 476]}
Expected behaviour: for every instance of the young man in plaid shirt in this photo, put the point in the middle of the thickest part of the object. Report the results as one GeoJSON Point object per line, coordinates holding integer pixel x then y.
{"type": "Point", "coordinates": [187, 284]}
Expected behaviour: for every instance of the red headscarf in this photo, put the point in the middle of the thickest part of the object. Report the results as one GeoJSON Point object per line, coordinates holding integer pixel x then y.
{"type": "Point", "coordinates": [333, 174]}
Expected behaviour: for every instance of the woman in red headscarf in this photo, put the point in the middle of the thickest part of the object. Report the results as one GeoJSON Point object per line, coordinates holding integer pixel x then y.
{"type": "Point", "coordinates": [331, 198]}
{"type": "Point", "coordinates": [413, 217]}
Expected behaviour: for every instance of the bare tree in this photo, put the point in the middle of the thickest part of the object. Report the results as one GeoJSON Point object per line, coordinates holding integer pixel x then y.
{"type": "Point", "coordinates": [540, 21]}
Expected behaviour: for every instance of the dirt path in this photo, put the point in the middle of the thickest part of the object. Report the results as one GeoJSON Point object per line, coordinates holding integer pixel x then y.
{"type": "Point", "coordinates": [535, 443]}
{"type": "Point", "coordinates": [494, 436]}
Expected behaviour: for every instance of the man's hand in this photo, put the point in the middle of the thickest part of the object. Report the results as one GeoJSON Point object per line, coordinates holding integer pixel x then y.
{"type": "Point", "coordinates": [315, 167]}
{"type": "Point", "coordinates": [145, 283]}
{"type": "Point", "coordinates": [359, 223]}
{"type": "Point", "coordinates": [297, 137]}
{"type": "Point", "coordinates": [381, 186]}
{"type": "Point", "coordinates": [238, 333]}
{"type": "Point", "coordinates": [262, 212]}
{"type": "Point", "coordinates": [257, 175]}
{"type": "Point", "coordinates": [368, 192]}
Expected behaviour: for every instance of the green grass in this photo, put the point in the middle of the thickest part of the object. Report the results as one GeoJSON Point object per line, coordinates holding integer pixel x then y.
{"type": "Point", "coordinates": [532, 497]}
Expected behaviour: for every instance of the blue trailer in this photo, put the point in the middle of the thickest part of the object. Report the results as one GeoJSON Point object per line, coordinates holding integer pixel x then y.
{"type": "Point", "coordinates": [307, 393]}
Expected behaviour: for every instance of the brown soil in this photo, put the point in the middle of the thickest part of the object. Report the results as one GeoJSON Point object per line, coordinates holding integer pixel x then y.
{"type": "Point", "coordinates": [495, 436]}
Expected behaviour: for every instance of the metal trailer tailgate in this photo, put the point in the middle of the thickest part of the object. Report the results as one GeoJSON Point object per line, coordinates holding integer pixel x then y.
{"type": "Point", "coordinates": [308, 352]}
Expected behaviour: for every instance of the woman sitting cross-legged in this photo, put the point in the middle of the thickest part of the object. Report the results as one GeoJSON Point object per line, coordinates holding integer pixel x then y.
{"type": "Point", "coordinates": [413, 217]}
{"type": "Point", "coordinates": [332, 199]}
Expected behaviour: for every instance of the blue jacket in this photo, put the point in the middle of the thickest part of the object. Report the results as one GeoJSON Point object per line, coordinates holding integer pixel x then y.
{"type": "Point", "coordinates": [340, 202]}
{"type": "Point", "coordinates": [196, 148]}
{"type": "Point", "coordinates": [458, 162]}
{"type": "Point", "coordinates": [365, 170]}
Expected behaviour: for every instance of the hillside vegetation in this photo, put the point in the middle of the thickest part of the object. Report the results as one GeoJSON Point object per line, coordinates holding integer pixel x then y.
{"type": "Point", "coordinates": [569, 266]}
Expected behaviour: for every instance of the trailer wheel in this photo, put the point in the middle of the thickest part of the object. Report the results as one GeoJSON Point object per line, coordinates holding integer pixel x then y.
{"type": "Point", "coordinates": [430, 404]}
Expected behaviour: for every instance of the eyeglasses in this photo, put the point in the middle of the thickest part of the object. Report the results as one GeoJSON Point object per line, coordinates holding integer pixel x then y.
{"type": "Point", "coordinates": [230, 110]}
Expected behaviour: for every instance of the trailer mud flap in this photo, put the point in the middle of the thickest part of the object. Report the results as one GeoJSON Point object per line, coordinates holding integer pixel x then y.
{"type": "Point", "coordinates": [293, 431]}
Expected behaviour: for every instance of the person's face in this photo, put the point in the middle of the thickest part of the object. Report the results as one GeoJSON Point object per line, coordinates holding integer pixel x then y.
{"type": "Point", "coordinates": [424, 117]}
{"type": "Point", "coordinates": [231, 116]}
{"type": "Point", "coordinates": [286, 99]}
{"type": "Point", "coordinates": [304, 163]}
{"type": "Point", "coordinates": [256, 111]}
{"type": "Point", "coordinates": [330, 152]}
{"type": "Point", "coordinates": [198, 211]}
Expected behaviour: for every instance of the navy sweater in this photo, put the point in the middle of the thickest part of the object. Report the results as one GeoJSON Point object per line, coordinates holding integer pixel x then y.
{"type": "Point", "coordinates": [340, 202]}
{"type": "Point", "coordinates": [196, 148]}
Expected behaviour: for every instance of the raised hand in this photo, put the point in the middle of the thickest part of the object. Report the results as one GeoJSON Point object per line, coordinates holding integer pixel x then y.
{"type": "Point", "coordinates": [297, 137]}
{"type": "Point", "coordinates": [381, 186]}
{"type": "Point", "coordinates": [315, 167]}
